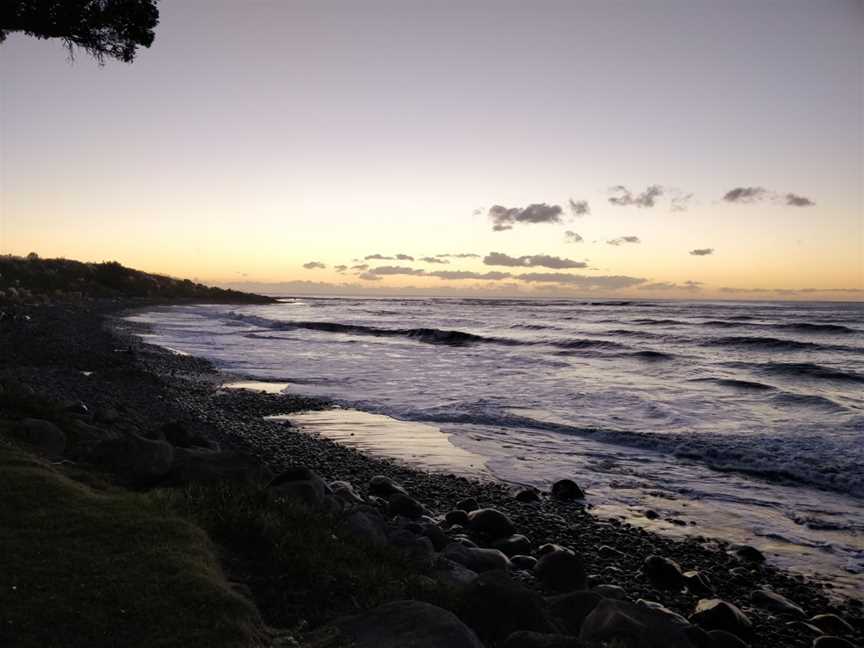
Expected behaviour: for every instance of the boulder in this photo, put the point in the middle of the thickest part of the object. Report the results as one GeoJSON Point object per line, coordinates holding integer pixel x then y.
{"type": "Point", "coordinates": [721, 639]}
{"type": "Point", "coordinates": [562, 571]}
{"type": "Point", "coordinates": [697, 583]}
{"type": "Point", "coordinates": [149, 461]}
{"type": "Point", "coordinates": [663, 572]}
{"type": "Point", "coordinates": [830, 641]}
{"type": "Point", "coordinates": [438, 538]}
{"type": "Point", "coordinates": [528, 639]}
{"type": "Point", "coordinates": [831, 624]}
{"type": "Point", "coordinates": [406, 623]}
{"type": "Point", "coordinates": [749, 554]}
{"type": "Point", "coordinates": [475, 558]}
{"type": "Point", "coordinates": [491, 523]}
{"type": "Point", "coordinates": [458, 516]}
{"type": "Point", "coordinates": [571, 610]}
{"type": "Point", "coordinates": [345, 491]}
{"type": "Point", "coordinates": [567, 490]}
{"type": "Point", "coordinates": [468, 504]}
{"type": "Point", "coordinates": [451, 574]}
{"type": "Point", "coordinates": [526, 563]}
{"type": "Point", "coordinates": [417, 549]}
{"type": "Point", "coordinates": [610, 591]}
{"type": "Point", "coordinates": [636, 626]}
{"type": "Point", "coordinates": [776, 603]}
{"type": "Point", "coordinates": [383, 486]}
{"type": "Point", "coordinates": [45, 437]}
{"type": "Point", "coordinates": [513, 545]}
{"type": "Point", "coordinates": [302, 485]}
{"type": "Point", "coordinates": [404, 505]}
{"type": "Point", "coordinates": [366, 527]}
{"type": "Point", "coordinates": [198, 465]}
{"type": "Point", "coordinates": [717, 614]}
{"type": "Point", "coordinates": [527, 495]}
{"type": "Point", "coordinates": [495, 606]}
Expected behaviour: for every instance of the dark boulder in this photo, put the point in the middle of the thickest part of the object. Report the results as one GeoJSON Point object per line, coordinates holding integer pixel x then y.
{"type": "Point", "coordinates": [567, 490]}
{"type": "Point", "coordinates": [637, 626]}
{"type": "Point", "coordinates": [458, 516]}
{"type": "Point", "coordinates": [404, 505]}
{"type": "Point", "coordinates": [491, 523]}
{"type": "Point", "coordinates": [303, 485]}
{"type": "Point", "coordinates": [45, 437]}
{"type": "Point", "coordinates": [571, 610]}
{"type": "Point", "coordinates": [475, 558]}
{"type": "Point", "coordinates": [383, 486]}
{"type": "Point", "coordinates": [831, 624]}
{"type": "Point", "coordinates": [197, 465]}
{"type": "Point", "coordinates": [562, 571]}
{"type": "Point", "coordinates": [749, 554]}
{"type": "Point", "coordinates": [776, 603]}
{"type": "Point", "coordinates": [717, 614]}
{"type": "Point", "coordinates": [528, 639]}
{"type": "Point", "coordinates": [527, 495]}
{"type": "Point", "coordinates": [513, 545]}
{"type": "Point", "coordinates": [829, 641]}
{"type": "Point", "coordinates": [663, 572]}
{"type": "Point", "coordinates": [468, 504]}
{"type": "Point", "coordinates": [526, 563]}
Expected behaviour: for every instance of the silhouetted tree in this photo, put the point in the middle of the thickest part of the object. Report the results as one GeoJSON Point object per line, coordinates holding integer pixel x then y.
{"type": "Point", "coordinates": [113, 28]}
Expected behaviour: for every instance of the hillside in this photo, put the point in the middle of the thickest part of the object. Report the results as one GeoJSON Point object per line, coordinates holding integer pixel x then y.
{"type": "Point", "coordinates": [31, 279]}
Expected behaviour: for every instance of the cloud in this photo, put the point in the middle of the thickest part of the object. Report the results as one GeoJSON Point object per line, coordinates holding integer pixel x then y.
{"type": "Point", "coordinates": [369, 276]}
{"type": "Point", "coordinates": [623, 197]}
{"type": "Point", "coordinates": [340, 268]}
{"type": "Point", "coordinates": [679, 202]}
{"type": "Point", "coordinates": [314, 265]}
{"type": "Point", "coordinates": [461, 255]}
{"type": "Point", "coordinates": [404, 257]}
{"type": "Point", "coordinates": [378, 257]}
{"type": "Point", "coordinates": [477, 211]}
{"type": "Point", "coordinates": [702, 251]}
{"type": "Point", "coordinates": [579, 207]}
{"type": "Point", "coordinates": [613, 282]}
{"type": "Point", "coordinates": [360, 267]}
{"type": "Point", "coordinates": [531, 261]}
{"type": "Point", "coordinates": [671, 285]}
{"type": "Point", "coordinates": [396, 270]}
{"type": "Point", "coordinates": [466, 274]}
{"type": "Point", "coordinates": [504, 218]}
{"type": "Point", "coordinates": [434, 260]}
{"type": "Point", "coordinates": [572, 237]}
{"type": "Point", "coordinates": [794, 200]}
{"type": "Point", "coordinates": [623, 239]}
{"type": "Point", "coordinates": [791, 291]}
{"type": "Point", "coordinates": [746, 194]}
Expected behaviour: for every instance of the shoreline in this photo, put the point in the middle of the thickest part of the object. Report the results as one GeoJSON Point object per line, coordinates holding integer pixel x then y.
{"type": "Point", "coordinates": [185, 387]}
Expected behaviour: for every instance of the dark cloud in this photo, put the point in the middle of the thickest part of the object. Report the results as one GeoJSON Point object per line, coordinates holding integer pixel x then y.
{"type": "Point", "coordinates": [462, 255]}
{"type": "Point", "coordinates": [702, 251]}
{"type": "Point", "coordinates": [504, 218]}
{"type": "Point", "coordinates": [314, 265]}
{"type": "Point", "coordinates": [369, 276]}
{"type": "Point", "coordinates": [679, 202]}
{"type": "Point", "coordinates": [360, 267]}
{"type": "Point", "coordinates": [404, 257]}
{"type": "Point", "coordinates": [340, 268]}
{"type": "Point", "coordinates": [531, 261]}
{"type": "Point", "coordinates": [477, 211]}
{"type": "Point", "coordinates": [671, 285]}
{"type": "Point", "coordinates": [623, 239]}
{"type": "Point", "coordinates": [396, 270]}
{"type": "Point", "coordinates": [791, 291]}
{"type": "Point", "coordinates": [794, 200]}
{"type": "Point", "coordinates": [572, 237]}
{"type": "Point", "coordinates": [579, 207]}
{"type": "Point", "coordinates": [613, 282]}
{"type": "Point", "coordinates": [434, 260]}
{"type": "Point", "coordinates": [378, 257]}
{"type": "Point", "coordinates": [623, 197]}
{"type": "Point", "coordinates": [466, 274]}
{"type": "Point", "coordinates": [746, 194]}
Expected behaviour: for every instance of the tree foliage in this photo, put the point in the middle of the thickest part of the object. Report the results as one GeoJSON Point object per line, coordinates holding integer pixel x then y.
{"type": "Point", "coordinates": [112, 28]}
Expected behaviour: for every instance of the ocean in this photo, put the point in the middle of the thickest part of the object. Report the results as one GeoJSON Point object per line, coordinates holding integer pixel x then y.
{"type": "Point", "coordinates": [742, 421]}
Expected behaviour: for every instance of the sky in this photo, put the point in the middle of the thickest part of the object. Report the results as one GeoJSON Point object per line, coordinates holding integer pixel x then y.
{"type": "Point", "coordinates": [680, 149]}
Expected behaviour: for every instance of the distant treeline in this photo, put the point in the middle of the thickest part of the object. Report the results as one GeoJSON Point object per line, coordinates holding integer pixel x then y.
{"type": "Point", "coordinates": [31, 279]}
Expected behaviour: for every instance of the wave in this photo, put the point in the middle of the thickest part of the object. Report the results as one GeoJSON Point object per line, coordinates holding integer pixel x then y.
{"type": "Point", "coordinates": [654, 322]}
{"type": "Point", "coordinates": [651, 355]}
{"type": "Point", "coordinates": [762, 343]}
{"type": "Point", "coordinates": [532, 327]}
{"type": "Point", "coordinates": [737, 384]}
{"type": "Point", "coordinates": [801, 370]}
{"type": "Point", "coordinates": [807, 327]}
{"type": "Point", "coordinates": [807, 400]}
{"type": "Point", "coordinates": [581, 343]}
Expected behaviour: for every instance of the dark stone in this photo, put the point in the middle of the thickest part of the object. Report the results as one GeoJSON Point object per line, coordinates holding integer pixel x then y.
{"type": "Point", "coordinates": [567, 490]}
{"type": "Point", "coordinates": [417, 549]}
{"type": "Point", "coordinates": [663, 572]}
{"type": "Point", "coordinates": [571, 610]}
{"type": "Point", "coordinates": [548, 548]}
{"type": "Point", "coordinates": [468, 504]}
{"type": "Point", "coordinates": [721, 639]}
{"type": "Point", "coordinates": [528, 639]}
{"type": "Point", "coordinates": [406, 623]}
{"type": "Point", "coordinates": [197, 465]}
{"type": "Point", "coordinates": [438, 538]}
{"type": "Point", "coordinates": [495, 606]}
{"type": "Point", "coordinates": [829, 641]}
{"type": "Point", "coordinates": [697, 583]}
{"type": "Point", "coordinates": [513, 546]}
{"type": "Point", "coordinates": [345, 491]}
{"type": "Point", "coordinates": [383, 486]}
{"type": "Point", "coordinates": [149, 461]}
{"type": "Point", "coordinates": [458, 516]}
{"type": "Point", "coordinates": [717, 614]}
{"type": "Point", "coordinates": [831, 624]}
{"type": "Point", "coordinates": [528, 495]}
{"type": "Point", "coordinates": [475, 558]}
{"type": "Point", "coordinates": [44, 436]}
{"type": "Point", "coordinates": [774, 602]}
{"type": "Point", "coordinates": [367, 527]}
{"type": "Point", "coordinates": [561, 571]}
{"type": "Point", "coordinates": [301, 484]}
{"type": "Point", "coordinates": [405, 505]}
{"type": "Point", "coordinates": [526, 563]}
{"type": "Point", "coordinates": [490, 522]}
{"type": "Point", "coordinates": [651, 515]}
{"type": "Point", "coordinates": [749, 554]}
{"type": "Point", "coordinates": [636, 626]}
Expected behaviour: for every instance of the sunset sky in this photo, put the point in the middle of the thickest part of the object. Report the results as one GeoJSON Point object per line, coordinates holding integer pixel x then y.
{"type": "Point", "coordinates": [698, 149]}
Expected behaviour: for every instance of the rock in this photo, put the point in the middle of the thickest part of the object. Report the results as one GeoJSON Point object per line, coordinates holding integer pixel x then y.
{"type": "Point", "coordinates": [366, 527]}
{"type": "Point", "coordinates": [345, 491]}
{"type": "Point", "coordinates": [527, 495]}
{"type": "Point", "coordinates": [495, 606]}
{"type": "Point", "coordinates": [456, 517]}
{"type": "Point", "coordinates": [438, 538]}
{"type": "Point", "coordinates": [301, 484]}
{"type": "Point", "coordinates": [774, 602]}
{"type": "Point", "coordinates": [197, 465]}
{"type": "Point", "coordinates": [717, 614]}
{"type": "Point", "coordinates": [526, 563]}
{"type": "Point", "coordinates": [451, 574]}
{"type": "Point", "coordinates": [610, 591]}
{"type": "Point", "coordinates": [417, 549]}
{"type": "Point", "coordinates": [697, 583]}
{"type": "Point", "coordinates": [829, 641]}
{"type": "Point", "coordinates": [490, 522]}
{"type": "Point", "coordinates": [721, 639]}
{"type": "Point", "coordinates": [405, 505]}
{"type": "Point", "coordinates": [44, 436]}
{"type": "Point", "coordinates": [528, 639]}
{"type": "Point", "coordinates": [383, 486]}
{"type": "Point", "coordinates": [468, 504]}
{"type": "Point", "coordinates": [476, 559]}
{"type": "Point", "coordinates": [570, 610]}
{"type": "Point", "coordinates": [567, 490]}
{"type": "Point", "coordinates": [651, 514]}
{"type": "Point", "coordinates": [107, 415]}
{"type": "Point", "coordinates": [406, 623]}
{"type": "Point", "coordinates": [149, 461]}
{"type": "Point", "coordinates": [663, 572]}
{"type": "Point", "coordinates": [76, 407]}
{"type": "Point", "coordinates": [606, 551]}
{"type": "Point", "coordinates": [831, 624]}
{"type": "Point", "coordinates": [636, 626]}
{"type": "Point", "coordinates": [513, 546]}
{"type": "Point", "coordinates": [562, 571]}
{"type": "Point", "coordinates": [180, 434]}
{"type": "Point", "coordinates": [749, 554]}
{"type": "Point", "coordinates": [548, 548]}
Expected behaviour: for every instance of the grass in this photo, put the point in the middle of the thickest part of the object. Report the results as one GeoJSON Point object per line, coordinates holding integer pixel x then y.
{"type": "Point", "coordinates": [80, 567]}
